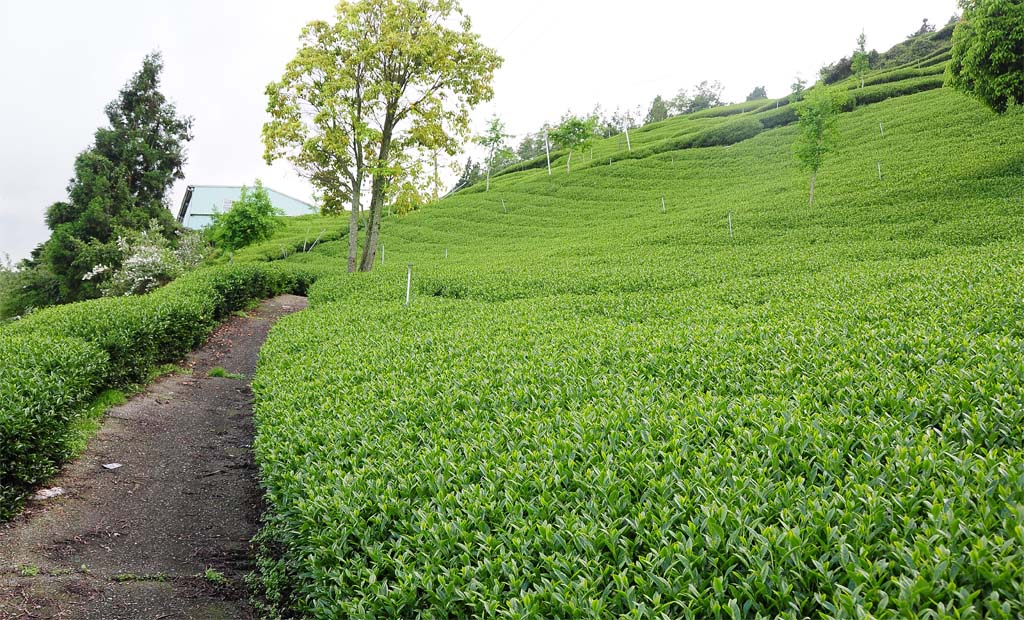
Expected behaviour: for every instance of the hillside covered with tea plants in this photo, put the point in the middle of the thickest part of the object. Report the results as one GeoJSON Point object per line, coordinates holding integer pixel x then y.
{"type": "Point", "coordinates": [654, 383]}
{"type": "Point", "coordinates": [662, 385]}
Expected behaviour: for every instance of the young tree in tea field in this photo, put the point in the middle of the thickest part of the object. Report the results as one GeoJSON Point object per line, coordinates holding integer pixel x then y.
{"type": "Point", "coordinates": [798, 87]}
{"type": "Point", "coordinates": [574, 133]}
{"type": "Point", "coordinates": [988, 52]}
{"type": "Point", "coordinates": [319, 121]}
{"type": "Point", "coordinates": [493, 139]}
{"type": "Point", "coordinates": [860, 62]}
{"type": "Point", "coordinates": [818, 115]}
{"type": "Point", "coordinates": [386, 77]}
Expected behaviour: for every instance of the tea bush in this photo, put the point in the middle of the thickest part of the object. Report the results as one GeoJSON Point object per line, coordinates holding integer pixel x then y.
{"type": "Point", "coordinates": [44, 382]}
{"type": "Point", "coordinates": [735, 406]}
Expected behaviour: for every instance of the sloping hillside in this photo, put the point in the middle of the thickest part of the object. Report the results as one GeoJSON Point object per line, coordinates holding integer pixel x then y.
{"type": "Point", "coordinates": [735, 405]}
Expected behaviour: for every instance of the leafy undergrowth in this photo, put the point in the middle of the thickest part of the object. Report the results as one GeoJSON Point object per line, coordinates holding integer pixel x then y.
{"type": "Point", "coordinates": [594, 407]}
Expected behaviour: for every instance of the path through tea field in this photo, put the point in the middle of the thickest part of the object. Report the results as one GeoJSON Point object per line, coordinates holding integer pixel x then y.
{"type": "Point", "coordinates": [166, 535]}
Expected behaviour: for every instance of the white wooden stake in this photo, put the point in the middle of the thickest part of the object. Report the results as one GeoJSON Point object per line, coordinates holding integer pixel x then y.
{"type": "Point", "coordinates": [503, 206]}
{"type": "Point", "coordinates": [881, 127]}
{"type": "Point", "coordinates": [663, 204]}
{"type": "Point", "coordinates": [381, 252]}
{"type": "Point", "coordinates": [629, 145]}
{"type": "Point", "coordinates": [730, 224]}
{"type": "Point", "coordinates": [879, 171]}
{"type": "Point", "coordinates": [446, 253]}
{"type": "Point", "coordinates": [408, 284]}
{"type": "Point", "coordinates": [547, 149]}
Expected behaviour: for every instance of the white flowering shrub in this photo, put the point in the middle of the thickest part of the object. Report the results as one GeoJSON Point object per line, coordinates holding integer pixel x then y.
{"type": "Point", "coordinates": [148, 261]}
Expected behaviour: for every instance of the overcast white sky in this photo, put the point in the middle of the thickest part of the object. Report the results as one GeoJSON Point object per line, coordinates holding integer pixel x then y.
{"type": "Point", "coordinates": [62, 61]}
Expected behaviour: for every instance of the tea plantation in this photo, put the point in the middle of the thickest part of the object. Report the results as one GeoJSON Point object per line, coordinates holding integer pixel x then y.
{"type": "Point", "coordinates": [595, 408]}
{"type": "Point", "coordinates": [735, 405]}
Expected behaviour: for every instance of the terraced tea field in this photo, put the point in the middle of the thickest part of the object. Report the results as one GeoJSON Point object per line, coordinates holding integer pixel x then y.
{"type": "Point", "coordinates": [738, 406]}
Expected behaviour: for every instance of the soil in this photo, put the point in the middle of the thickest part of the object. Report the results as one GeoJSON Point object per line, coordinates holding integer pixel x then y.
{"type": "Point", "coordinates": [136, 541]}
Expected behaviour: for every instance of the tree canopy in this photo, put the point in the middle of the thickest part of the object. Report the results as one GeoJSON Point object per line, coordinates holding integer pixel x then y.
{"type": "Point", "coordinates": [120, 185]}
{"type": "Point", "coordinates": [988, 52]}
{"type": "Point", "coordinates": [759, 92]}
{"type": "Point", "coordinates": [387, 77]}
{"type": "Point", "coordinates": [705, 95]}
{"type": "Point", "coordinates": [658, 110]}
{"type": "Point", "coordinates": [818, 115]}
{"type": "Point", "coordinates": [574, 133]}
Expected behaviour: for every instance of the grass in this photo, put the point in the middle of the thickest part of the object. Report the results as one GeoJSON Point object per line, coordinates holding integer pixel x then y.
{"type": "Point", "coordinates": [85, 426]}
{"type": "Point", "coordinates": [217, 371]}
{"type": "Point", "coordinates": [28, 570]}
{"type": "Point", "coordinates": [593, 408]}
{"type": "Point", "coordinates": [215, 577]}
{"type": "Point", "coordinates": [135, 577]}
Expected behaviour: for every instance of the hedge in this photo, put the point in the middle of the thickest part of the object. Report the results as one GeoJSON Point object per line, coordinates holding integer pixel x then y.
{"type": "Point", "coordinates": [44, 383]}
{"type": "Point", "coordinates": [55, 360]}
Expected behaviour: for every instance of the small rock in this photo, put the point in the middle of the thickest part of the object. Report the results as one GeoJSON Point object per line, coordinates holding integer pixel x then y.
{"type": "Point", "coordinates": [48, 493]}
{"type": "Point", "coordinates": [113, 466]}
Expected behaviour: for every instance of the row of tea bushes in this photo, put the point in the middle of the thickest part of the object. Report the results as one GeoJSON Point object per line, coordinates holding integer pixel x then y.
{"type": "Point", "coordinates": [834, 445]}
{"type": "Point", "coordinates": [55, 360]}
{"type": "Point", "coordinates": [44, 383]}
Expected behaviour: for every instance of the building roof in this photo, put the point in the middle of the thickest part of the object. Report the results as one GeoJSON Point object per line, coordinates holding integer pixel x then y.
{"type": "Point", "coordinates": [201, 201]}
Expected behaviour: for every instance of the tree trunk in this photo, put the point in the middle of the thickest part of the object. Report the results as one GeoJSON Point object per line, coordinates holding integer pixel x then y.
{"type": "Point", "coordinates": [373, 223]}
{"type": "Point", "coordinates": [568, 163]}
{"type": "Point", "coordinates": [353, 225]}
{"type": "Point", "coordinates": [814, 176]}
{"type": "Point", "coordinates": [377, 191]}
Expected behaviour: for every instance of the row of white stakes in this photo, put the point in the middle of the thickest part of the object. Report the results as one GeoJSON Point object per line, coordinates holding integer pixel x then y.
{"type": "Point", "coordinates": [664, 209]}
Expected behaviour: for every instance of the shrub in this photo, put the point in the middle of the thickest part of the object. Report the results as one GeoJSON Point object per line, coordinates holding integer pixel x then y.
{"type": "Point", "coordinates": [837, 71]}
{"type": "Point", "coordinates": [148, 261]}
{"type": "Point", "coordinates": [29, 287]}
{"type": "Point", "coordinates": [778, 117]}
{"type": "Point", "coordinates": [988, 53]}
{"type": "Point", "coordinates": [899, 75]}
{"type": "Point", "coordinates": [251, 218]}
{"type": "Point", "coordinates": [881, 92]}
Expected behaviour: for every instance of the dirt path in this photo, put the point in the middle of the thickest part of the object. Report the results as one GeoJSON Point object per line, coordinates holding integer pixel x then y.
{"type": "Point", "coordinates": [136, 542]}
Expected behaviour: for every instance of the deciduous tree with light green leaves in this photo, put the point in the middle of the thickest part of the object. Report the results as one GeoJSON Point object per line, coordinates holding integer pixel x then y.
{"type": "Point", "coordinates": [493, 139]}
{"type": "Point", "coordinates": [818, 114]}
{"type": "Point", "coordinates": [860, 63]}
{"type": "Point", "coordinates": [988, 52]}
{"type": "Point", "coordinates": [386, 77]}
{"type": "Point", "coordinates": [574, 133]}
